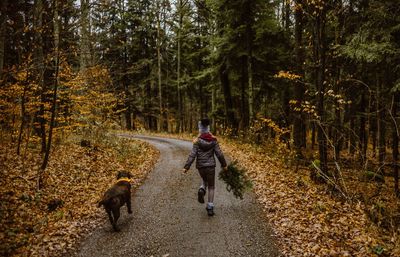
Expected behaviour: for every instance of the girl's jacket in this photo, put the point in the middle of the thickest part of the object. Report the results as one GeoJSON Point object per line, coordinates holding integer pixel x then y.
{"type": "Point", "coordinates": [204, 148]}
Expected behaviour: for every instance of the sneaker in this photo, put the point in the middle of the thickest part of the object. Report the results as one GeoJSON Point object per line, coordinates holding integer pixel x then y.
{"type": "Point", "coordinates": [200, 195]}
{"type": "Point", "coordinates": [210, 211]}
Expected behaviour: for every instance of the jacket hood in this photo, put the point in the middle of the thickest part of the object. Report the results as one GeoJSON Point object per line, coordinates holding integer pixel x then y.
{"type": "Point", "coordinates": [208, 137]}
{"type": "Point", "coordinates": [205, 144]}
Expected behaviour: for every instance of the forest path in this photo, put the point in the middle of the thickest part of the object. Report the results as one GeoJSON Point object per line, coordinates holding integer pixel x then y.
{"type": "Point", "coordinates": [167, 220]}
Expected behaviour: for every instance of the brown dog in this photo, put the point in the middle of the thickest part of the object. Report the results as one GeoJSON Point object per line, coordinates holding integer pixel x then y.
{"type": "Point", "coordinates": [115, 197]}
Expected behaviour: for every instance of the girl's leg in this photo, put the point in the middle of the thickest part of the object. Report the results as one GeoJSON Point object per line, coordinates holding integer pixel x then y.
{"type": "Point", "coordinates": [210, 178]}
{"type": "Point", "coordinates": [203, 175]}
{"type": "Point", "coordinates": [202, 190]}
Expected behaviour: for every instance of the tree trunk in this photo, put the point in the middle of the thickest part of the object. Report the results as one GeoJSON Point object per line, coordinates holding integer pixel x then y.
{"type": "Point", "coordinates": [338, 137]}
{"type": "Point", "coordinates": [40, 68]}
{"type": "Point", "coordinates": [363, 145]}
{"type": "Point", "coordinates": [249, 59]}
{"type": "Point", "coordinates": [299, 134]}
{"type": "Point", "coordinates": [85, 58]}
{"type": "Point", "coordinates": [54, 98]}
{"type": "Point", "coordinates": [214, 108]}
{"type": "Point", "coordinates": [160, 118]}
{"type": "Point", "coordinates": [178, 72]}
{"type": "Point", "coordinates": [313, 132]}
{"type": "Point", "coordinates": [21, 129]}
{"type": "Point", "coordinates": [125, 82]}
{"type": "Point", "coordinates": [244, 100]}
{"type": "Point", "coordinates": [381, 128]}
{"type": "Point", "coordinates": [337, 126]}
{"type": "Point", "coordinates": [286, 14]}
{"type": "Point", "coordinates": [226, 89]}
{"type": "Point", "coordinates": [352, 137]}
{"type": "Point", "coordinates": [3, 18]}
{"type": "Point", "coordinates": [320, 86]}
{"type": "Point", "coordinates": [250, 83]}
{"type": "Point", "coordinates": [395, 143]}
{"type": "Point", "coordinates": [128, 111]}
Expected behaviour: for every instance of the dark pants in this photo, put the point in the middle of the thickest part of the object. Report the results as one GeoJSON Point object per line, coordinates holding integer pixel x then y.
{"type": "Point", "coordinates": [208, 176]}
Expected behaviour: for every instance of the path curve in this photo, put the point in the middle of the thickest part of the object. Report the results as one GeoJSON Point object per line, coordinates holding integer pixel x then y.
{"type": "Point", "coordinates": [167, 220]}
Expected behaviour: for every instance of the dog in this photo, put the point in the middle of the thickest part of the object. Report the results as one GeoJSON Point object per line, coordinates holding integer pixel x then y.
{"type": "Point", "coordinates": [116, 196]}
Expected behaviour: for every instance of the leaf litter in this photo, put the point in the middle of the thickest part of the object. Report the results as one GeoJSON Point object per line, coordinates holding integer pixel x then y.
{"type": "Point", "coordinates": [51, 221]}
{"type": "Point", "coordinates": [306, 219]}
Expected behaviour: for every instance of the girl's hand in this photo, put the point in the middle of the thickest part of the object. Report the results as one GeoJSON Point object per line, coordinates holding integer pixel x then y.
{"type": "Point", "coordinates": [184, 171]}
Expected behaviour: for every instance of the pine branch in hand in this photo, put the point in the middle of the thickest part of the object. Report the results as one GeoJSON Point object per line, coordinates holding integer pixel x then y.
{"type": "Point", "coordinates": [235, 180]}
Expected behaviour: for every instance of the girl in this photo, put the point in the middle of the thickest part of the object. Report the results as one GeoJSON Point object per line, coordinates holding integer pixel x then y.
{"type": "Point", "coordinates": [204, 148]}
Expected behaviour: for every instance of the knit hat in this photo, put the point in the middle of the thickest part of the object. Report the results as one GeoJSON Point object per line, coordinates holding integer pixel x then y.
{"type": "Point", "coordinates": [204, 126]}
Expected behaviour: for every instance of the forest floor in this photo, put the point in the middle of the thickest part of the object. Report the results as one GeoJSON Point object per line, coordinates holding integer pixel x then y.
{"type": "Point", "coordinates": [49, 222]}
{"type": "Point", "coordinates": [309, 219]}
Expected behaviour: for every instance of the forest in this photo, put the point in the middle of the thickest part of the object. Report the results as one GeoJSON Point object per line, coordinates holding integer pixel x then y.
{"type": "Point", "coordinates": [314, 81]}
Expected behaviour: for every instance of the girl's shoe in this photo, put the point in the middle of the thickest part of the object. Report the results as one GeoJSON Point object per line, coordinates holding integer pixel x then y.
{"type": "Point", "coordinates": [200, 195]}
{"type": "Point", "coordinates": [210, 211]}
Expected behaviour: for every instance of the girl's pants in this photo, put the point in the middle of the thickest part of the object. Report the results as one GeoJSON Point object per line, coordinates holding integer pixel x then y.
{"type": "Point", "coordinates": [208, 176]}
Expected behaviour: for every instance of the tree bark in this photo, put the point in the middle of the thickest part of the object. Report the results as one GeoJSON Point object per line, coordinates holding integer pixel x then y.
{"type": "Point", "coordinates": [249, 59]}
{"type": "Point", "coordinates": [299, 130]}
{"type": "Point", "coordinates": [178, 72]}
{"type": "Point", "coordinates": [3, 18]}
{"type": "Point", "coordinates": [226, 89]}
{"type": "Point", "coordinates": [214, 108]}
{"type": "Point", "coordinates": [381, 128]}
{"type": "Point", "coordinates": [363, 145]}
{"type": "Point", "coordinates": [320, 50]}
{"type": "Point", "coordinates": [128, 111]}
{"type": "Point", "coordinates": [85, 55]}
{"type": "Point", "coordinates": [56, 24]}
{"type": "Point", "coordinates": [250, 83]}
{"type": "Point", "coordinates": [40, 68]}
{"type": "Point", "coordinates": [244, 99]}
{"type": "Point", "coordinates": [125, 84]}
{"type": "Point", "coordinates": [395, 143]}
{"type": "Point", "coordinates": [22, 126]}
{"type": "Point", "coordinates": [160, 118]}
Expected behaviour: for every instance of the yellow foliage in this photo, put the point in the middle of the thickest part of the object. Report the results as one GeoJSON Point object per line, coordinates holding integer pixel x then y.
{"type": "Point", "coordinates": [77, 176]}
{"type": "Point", "coordinates": [304, 107]}
{"type": "Point", "coordinates": [271, 124]}
{"type": "Point", "coordinates": [83, 99]}
{"type": "Point", "coordinates": [287, 75]}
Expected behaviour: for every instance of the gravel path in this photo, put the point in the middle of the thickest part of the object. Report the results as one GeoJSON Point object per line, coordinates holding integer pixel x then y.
{"type": "Point", "coordinates": [167, 220]}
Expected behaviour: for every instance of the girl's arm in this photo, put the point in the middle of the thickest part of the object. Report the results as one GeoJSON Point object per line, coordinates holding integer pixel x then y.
{"type": "Point", "coordinates": [220, 155]}
{"type": "Point", "coordinates": [192, 156]}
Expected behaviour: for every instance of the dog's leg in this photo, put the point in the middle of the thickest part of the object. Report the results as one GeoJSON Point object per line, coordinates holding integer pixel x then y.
{"type": "Point", "coordinates": [110, 216]}
{"type": "Point", "coordinates": [129, 204]}
{"type": "Point", "coordinates": [116, 215]}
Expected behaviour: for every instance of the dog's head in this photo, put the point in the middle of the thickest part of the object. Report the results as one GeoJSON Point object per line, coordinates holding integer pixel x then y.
{"type": "Point", "coordinates": [124, 174]}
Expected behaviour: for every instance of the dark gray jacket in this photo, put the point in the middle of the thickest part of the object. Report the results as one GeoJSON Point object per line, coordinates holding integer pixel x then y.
{"type": "Point", "coordinates": [203, 151]}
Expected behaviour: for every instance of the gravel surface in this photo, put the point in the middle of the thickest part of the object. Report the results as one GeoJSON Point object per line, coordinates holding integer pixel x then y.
{"type": "Point", "coordinates": [167, 220]}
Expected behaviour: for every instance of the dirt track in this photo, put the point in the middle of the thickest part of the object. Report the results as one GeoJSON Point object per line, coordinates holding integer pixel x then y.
{"type": "Point", "coordinates": [167, 220]}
